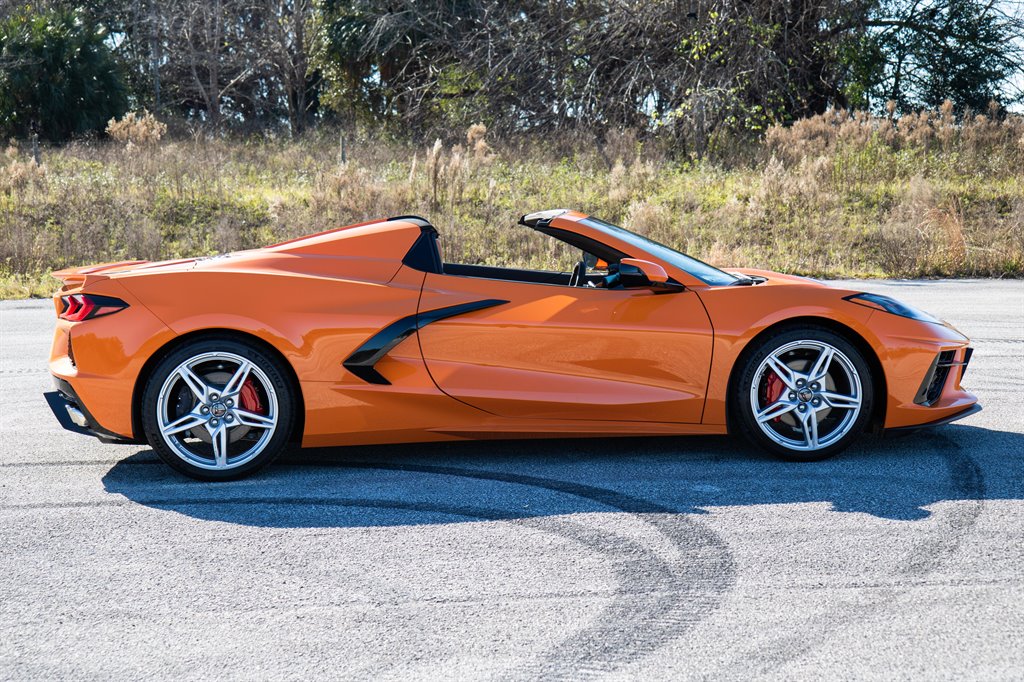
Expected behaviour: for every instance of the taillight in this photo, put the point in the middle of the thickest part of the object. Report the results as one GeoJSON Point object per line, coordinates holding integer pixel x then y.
{"type": "Point", "coordinates": [78, 307]}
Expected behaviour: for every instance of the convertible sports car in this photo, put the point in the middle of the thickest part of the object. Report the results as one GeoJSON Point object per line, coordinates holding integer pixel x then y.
{"type": "Point", "coordinates": [364, 335]}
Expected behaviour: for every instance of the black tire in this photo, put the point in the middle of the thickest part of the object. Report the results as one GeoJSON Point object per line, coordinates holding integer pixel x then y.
{"type": "Point", "coordinates": [270, 370]}
{"type": "Point", "coordinates": [741, 399]}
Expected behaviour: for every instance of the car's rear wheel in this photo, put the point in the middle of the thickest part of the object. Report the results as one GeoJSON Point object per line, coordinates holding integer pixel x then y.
{"type": "Point", "coordinates": [803, 394]}
{"type": "Point", "coordinates": [217, 409]}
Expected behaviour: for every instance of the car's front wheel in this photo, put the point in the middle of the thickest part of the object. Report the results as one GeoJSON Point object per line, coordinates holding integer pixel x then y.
{"type": "Point", "coordinates": [803, 394]}
{"type": "Point", "coordinates": [217, 409]}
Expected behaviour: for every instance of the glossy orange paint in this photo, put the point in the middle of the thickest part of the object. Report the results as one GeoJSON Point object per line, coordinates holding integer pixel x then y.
{"type": "Point", "coordinates": [903, 347]}
{"type": "Point", "coordinates": [551, 361]}
{"type": "Point", "coordinates": [558, 352]}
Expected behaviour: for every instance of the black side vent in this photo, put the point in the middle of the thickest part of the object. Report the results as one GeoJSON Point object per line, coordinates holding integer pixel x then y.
{"type": "Point", "coordinates": [935, 379]}
{"type": "Point", "coordinates": [967, 359]}
{"type": "Point", "coordinates": [71, 351]}
{"type": "Point", "coordinates": [363, 360]}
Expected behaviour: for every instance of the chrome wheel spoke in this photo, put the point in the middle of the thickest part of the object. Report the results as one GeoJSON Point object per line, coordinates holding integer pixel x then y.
{"type": "Point", "coordinates": [840, 401]}
{"type": "Point", "coordinates": [776, 409]}
{"type": "Point", "coordinates": [809, 424]}
{"type": "Point", "coordinates": [783, 371]}
{"type": "Point", "coordinates": [198, 387]}
{"type": "Point", "coordinates": [821, 365]}
{"type": "Point", "coordinates": [220, 446]}
{"type": "Point", "coordinates": [258, 421]}
{"type": "Point", "coordinates": [234, 385]}
{"type": "Point", "coordinates": [184, 423]}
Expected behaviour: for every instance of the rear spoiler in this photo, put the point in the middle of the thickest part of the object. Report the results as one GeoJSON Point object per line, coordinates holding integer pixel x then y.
{"type": "Point", "coordinates": [72, 277]}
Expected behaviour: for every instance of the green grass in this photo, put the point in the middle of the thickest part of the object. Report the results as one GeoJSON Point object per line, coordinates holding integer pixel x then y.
{"type": "Point", "coordinates": [867, 210]}
{"type": "Point", "coordinates": [13, 286]}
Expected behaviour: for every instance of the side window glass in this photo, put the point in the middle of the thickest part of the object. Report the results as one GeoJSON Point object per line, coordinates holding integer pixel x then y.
{"type": "Point", "coordinates": [595, 266]}
{"type": "Point", "coordinates": [506, 247]}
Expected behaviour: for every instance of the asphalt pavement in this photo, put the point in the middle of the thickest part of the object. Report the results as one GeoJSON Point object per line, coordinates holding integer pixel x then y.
{"type": "Point", "coordinates": [661, 558]}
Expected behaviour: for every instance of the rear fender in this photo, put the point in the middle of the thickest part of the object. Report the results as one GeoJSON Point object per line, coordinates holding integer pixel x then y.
{"type": "Point", "coordinates": [101, 358]}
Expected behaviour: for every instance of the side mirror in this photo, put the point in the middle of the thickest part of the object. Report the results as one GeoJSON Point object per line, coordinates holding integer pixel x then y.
{"type": "Point", "coordinates": [643, 274]}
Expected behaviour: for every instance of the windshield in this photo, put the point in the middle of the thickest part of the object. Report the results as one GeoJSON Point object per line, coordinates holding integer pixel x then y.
{"type": "Point", "coordinates": [699, 269]}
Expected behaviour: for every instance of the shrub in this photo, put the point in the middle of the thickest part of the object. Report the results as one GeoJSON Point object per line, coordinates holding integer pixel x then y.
{"type": "Point", "coordinates": [137, 129]}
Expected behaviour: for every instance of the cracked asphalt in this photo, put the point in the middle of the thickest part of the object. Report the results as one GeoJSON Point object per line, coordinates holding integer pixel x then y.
{"type": "Point", "coordinates": [661, 558]}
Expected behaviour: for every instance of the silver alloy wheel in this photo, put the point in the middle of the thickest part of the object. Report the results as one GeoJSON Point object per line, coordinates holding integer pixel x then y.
{"type": "Point", "coordinates": [820, 401]}
{"type": "Point", "coordinates": [200, 414]}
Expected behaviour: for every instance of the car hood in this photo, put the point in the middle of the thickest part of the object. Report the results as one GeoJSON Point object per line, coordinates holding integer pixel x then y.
{"type": "Point", "coordinates": [777, 277]}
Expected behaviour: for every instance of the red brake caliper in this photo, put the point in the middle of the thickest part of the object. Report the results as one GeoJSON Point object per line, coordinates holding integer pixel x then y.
{"type": "Point", "coordinates": [774, 386]}
{"type": "Point", "coordinates": [251, 398]}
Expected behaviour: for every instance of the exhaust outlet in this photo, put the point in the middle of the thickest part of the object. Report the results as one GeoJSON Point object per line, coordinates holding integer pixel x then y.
{"type": "Point", "coordinates": [76, 416]}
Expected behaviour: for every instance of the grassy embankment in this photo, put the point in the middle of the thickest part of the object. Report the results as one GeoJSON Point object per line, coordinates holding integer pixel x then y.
{"type": "Point", "coordinates": [833, 196]}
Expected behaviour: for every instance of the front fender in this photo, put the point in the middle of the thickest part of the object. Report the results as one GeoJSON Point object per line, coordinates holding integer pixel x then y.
{"type": "Point", "coordinates": [740, 314]}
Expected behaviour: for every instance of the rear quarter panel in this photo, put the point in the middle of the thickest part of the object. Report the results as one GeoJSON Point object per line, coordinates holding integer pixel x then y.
{"type": "Point", "coordinates": [314, 300]}
{"type": "Point", "coordinates": [314, 321]}
{"type": "Point", "coordinates": [109, 352]}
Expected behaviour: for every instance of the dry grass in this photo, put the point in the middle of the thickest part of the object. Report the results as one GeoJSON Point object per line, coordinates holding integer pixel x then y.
{"type": "Point", "coordinates": [842, 194]}
{"type": "Point", "coordinates": [137, 129]}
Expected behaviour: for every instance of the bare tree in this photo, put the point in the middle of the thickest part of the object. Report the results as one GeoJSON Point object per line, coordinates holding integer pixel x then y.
{"type": "Point", "coordinates": [691, 66]}
{"type": "Point", "coordinates": [196, 44]}
{"type": "Point", "coordinates": [293, 30]}
{"type": "Point", "coordinates": [700, 70]}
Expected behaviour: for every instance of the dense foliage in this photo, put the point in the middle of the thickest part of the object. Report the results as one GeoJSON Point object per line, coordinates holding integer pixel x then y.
{"type": "Point", "coordinates": [58, 77]}
{"type": "Point", "coordinates": [693, 71]}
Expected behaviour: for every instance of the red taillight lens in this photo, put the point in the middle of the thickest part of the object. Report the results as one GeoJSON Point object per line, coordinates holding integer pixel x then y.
{"type": "Point", "coordinates": [71, 306]}
{"type": "Point", "coordinates": [78, 307]}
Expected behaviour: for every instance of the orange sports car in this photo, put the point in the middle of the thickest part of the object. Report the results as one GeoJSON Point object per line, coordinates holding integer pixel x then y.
{"type": "Point", "coordinates": [365, 335]}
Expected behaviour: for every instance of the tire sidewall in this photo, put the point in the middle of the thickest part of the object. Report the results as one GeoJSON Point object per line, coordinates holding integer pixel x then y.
{"type": "Point", "coordinates": [740, 394]}
{"type": "Point", "coordinates": [270, 365]}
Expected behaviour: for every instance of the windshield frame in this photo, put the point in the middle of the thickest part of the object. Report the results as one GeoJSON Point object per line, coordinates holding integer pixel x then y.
{"type": "Point", "coordinates": [706, 273]}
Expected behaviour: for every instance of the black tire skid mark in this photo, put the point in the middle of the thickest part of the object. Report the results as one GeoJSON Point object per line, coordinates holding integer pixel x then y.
{"type": "Point", "coordinates": [656, 601]}
{"type": "Point", "coordinates": [968, 486]}
{"type": "Point", "coordinates": [617, 553]}
{"type": "Point", "coordinates": [640, 619]}
{"type": "Point", "coordinates": [24, 371]}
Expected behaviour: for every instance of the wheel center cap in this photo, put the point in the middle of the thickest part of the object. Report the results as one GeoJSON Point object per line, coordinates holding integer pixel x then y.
{"type": "Point", "coordinates": [805, 395]}
{"type": "Point", "coordinates": [218, 409]}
